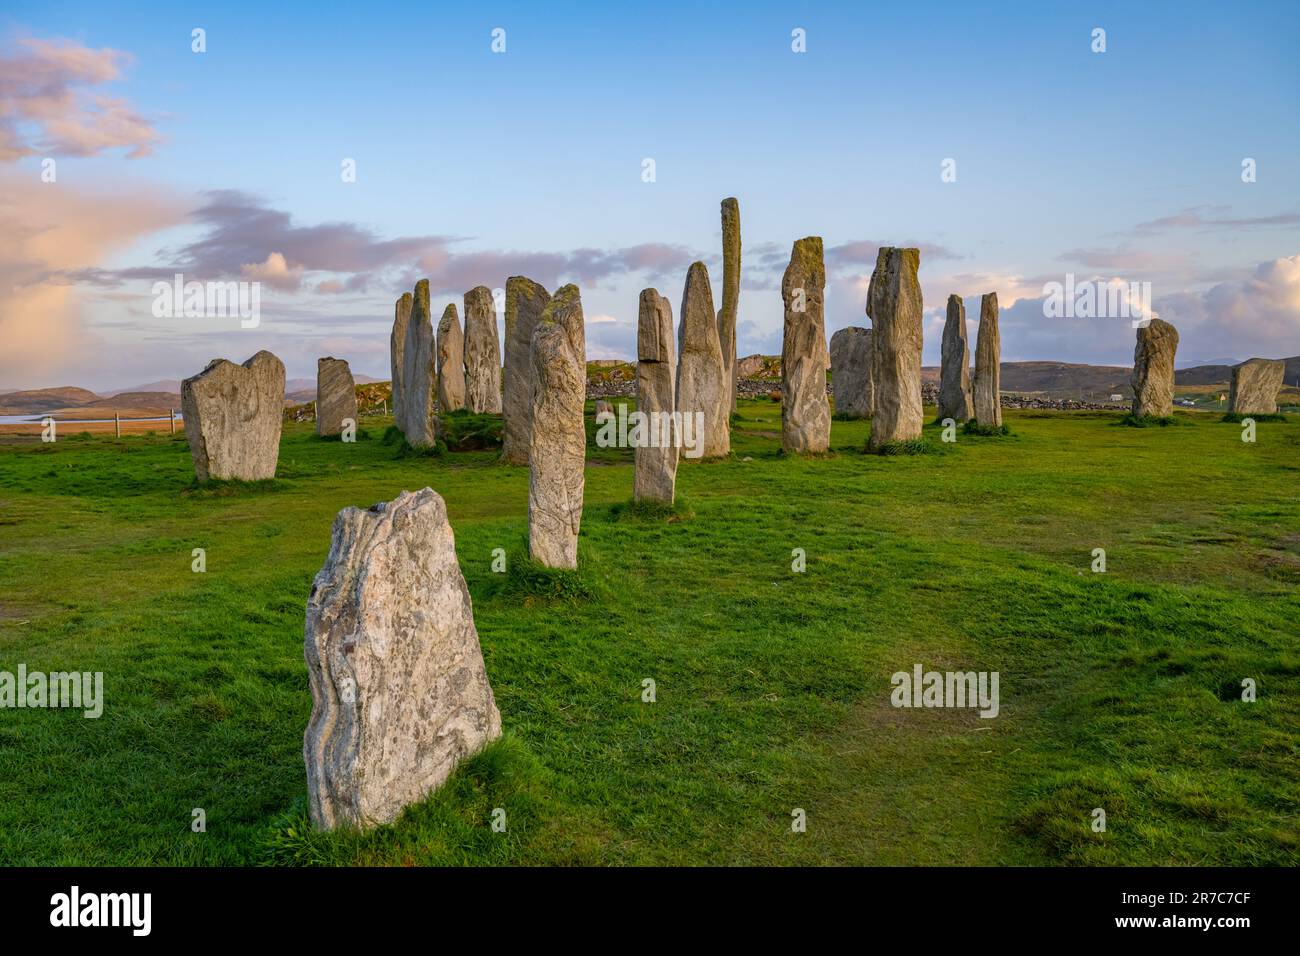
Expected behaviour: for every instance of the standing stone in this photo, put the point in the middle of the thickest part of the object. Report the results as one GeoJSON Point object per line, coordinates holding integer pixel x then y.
{"type": "Point", "coordinates": [954, 376]}
{"type": "Point", "coordinates": [805, 413]}
{"type": "Point", "coordinates": [232, 418]}
{"type": "Point", "coordinates": [604, 410]}
{"type": "Point", "coordinates": [396, 349]}
{"type": "Point", "coordinates": [451, 361]}
{"type": "Point", "coordinates": [988, 361]}
{"type": "Point", "coordinates": [1255, 384]}
{"type": "Point", "coordinates": [399, 692]}
{"type": "Point", "coordinates": [336, 396]}
{"type": "Point", "coordinates": [730, 293]}
{"type": "Point", "coordinates": [557, 452]}
{"type": "Point", "coordinates": [700, 385]}
{"type": "Point", "coordinates": [851, 372]}
{"type": "Point", "coordinates": [894, 306]}
{"type": "Point", "coordinates": [654, 474]}
{"type": "Point", "coordinates": [482, 352]}
{"type": "Point", "coordinates": [525, 301]}
{"type": "Point", "coordinates": [419, 424]}
{"type": "Point", "coordinates": [1153, 370]}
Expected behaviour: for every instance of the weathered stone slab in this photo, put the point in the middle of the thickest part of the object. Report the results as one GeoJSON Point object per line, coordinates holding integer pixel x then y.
{"type": "Point", "coordinates": [700, 376]}
{"type": "Point", "coordinates": [805, 413]}
{"type": "Point", "coordinates": [399, 692]}
{"type": "Point", "coordinates": [482, 352]}
{"type": "Point", "coordinates": [954, 377]}
{"type": "Point", "coordinates": [232, 416]}
{"type": "Point", "coordinates": [851, 372]}
{"type": "Point", "coordinates": [336, 396]}
{"type": "Point", "coordinates": [654, 474]}
{"type": "Point", "coordinates": [988, 365]}
{"type": "Point", "coordinates": [557, 454]}
{"type": "Point", "coordinates": [396, 349]}
{"type": "Point", "coordinates": [1153, 369]}
{"type": "Point", "coordinates": [894, 306]}
{"type": "Point", "coordinates": [1255, 384]}
{"type": "Point", "coordinates": [525, 302]}
{"type": "Point", "coordinates": [419, 423]}
{"type": "Point", "coordinates": [451, 361]}
{"type": "Point", "coordinates": [730, 293]}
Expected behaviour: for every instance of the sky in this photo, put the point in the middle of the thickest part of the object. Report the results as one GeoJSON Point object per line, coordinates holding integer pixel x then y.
{"type": "Point", "coordinates": [994, 138]}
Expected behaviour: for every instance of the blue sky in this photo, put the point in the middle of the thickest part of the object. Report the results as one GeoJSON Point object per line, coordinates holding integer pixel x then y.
{"type": "Point", "coordinates": [1124, 164]}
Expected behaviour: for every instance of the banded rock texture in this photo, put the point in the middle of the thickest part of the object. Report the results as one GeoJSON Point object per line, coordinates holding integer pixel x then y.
{"type": "Point", "coordinates": [399, 692]}
{"type": "Point", "coordinates": [396, 349]}
{"type": "Point", "coordinates": [1255, 384]}
{"type": "Point", "coordinates": [654, 473]}
{"type": "Point", "coordinates": [557, 453]}
{"type": "Point", "coordinates": [232, 416]}
{"type": "Point", "coordinates": [851, 372]}
{"type": "Point", "coordinates": [525, 302]}
{"type": "Point", "coordinates": [482, 352]}
{"type": "Point", "coordinates": [954, 376]}
{"type": "Point", "coordinates": [451, 361]}
{"type": "Point", "coordinates": [730, 293]}
{"type": "Point", "coordinates": [988, 364]}
{"type": "Point", "coordinates": [805, 414]}
{"type": "Point", "coordinates": [336, 396]}
{"type": "Point", "coordinates": [1153, 370]}
{"type": "Point", "coordinates": [894, 306]}
{"type": "Point", "coordinates": [419, 423]}
{"type": "Point", "coordinates": [700, 377]}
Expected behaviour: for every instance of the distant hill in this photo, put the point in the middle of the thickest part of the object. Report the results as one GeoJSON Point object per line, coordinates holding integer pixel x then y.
{"type": "Point", "coordinates": [36, 400]}
{"type": "Point", "coordinates": [1216, 374]}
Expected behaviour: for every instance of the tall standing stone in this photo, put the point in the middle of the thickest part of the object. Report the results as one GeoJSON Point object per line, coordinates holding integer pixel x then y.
{"type": "Point", "coordinates": [805, 413]}
{"type": "Point", "coordinates": [525, 302]}
{"type": "Point", "coordinates": [482, 352]}
{"type": "Point", "coordinates": [336, 396]}
{"type": "Point", "coordinates": [954, 376]}
{"type": "Point", "coordinates": [1153, 370]}
{"type": "Point", "coordinates": [557, 452]}
{"type": "Point", "coordinates": [851, 372]}
{"type": "Point", "coordinates": [988, 365]}
{"type": "Point", "coordinates": [730, 293]}
{"type": "Point", "coordinates": [451, 361]}
{"type": "Point", "coordinates": [894, 305]}
{"type": "Point", "coordinates": [701, 388]}
{"type": "Point", "coordinates": [654, 475]}
{"type": "Point", "coordinates": [396, 350]}
{"type": "Point", "coordinates": [399, 692]}
{"type": "Point", "coordinates": [232, 416]}
{"type": "Point", "coordinates": [419, 423]}
{"type": "Point", "coordinates": [1255, 384]}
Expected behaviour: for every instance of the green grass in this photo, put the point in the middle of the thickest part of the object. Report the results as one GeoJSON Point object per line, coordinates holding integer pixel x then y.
{"type": "Point", "coordinates": [1238, 417]}
{"type": "Point", "coordinates": [1118, 690]}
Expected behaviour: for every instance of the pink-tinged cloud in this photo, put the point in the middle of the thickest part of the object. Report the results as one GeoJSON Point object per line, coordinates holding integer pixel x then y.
{"type": "Point", "coordinates": [48, 105]}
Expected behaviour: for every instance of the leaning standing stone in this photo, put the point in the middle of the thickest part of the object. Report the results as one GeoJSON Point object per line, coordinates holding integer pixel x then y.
{"type": "Point", "coordinates": [894, 305]}
{"type": "Point", "coordinates": [1255, 385]}
{"type": "Point", "coordinates": [482, 352]}
{"type": "Point", "coordinates": [451, 361]}
{"type": "Point", "coordinates": [399, 692]}
{"type": "Point", "coordinates": [954, 375]}
{"type": "Point", "coordinates": [336, 396]}
{"type": "Point", "coordinates": [525, 301]}
{"type": "Point", "coordinates": [1153, 370]}
{"type": "Point", "coordinates": [654, 475]}
{"type": "Point", "coordinates": [805, 414]}
{"type": "Point", "coordinates": [557, 453]}
{"type": "Point", "coordinates": [232, 416]}
{"type": "Point", "coordinates": [851, 372]}
{"type": "Point", "coordinates": [730, 294]}
{"type": "Point", "coordinates": [700, 385]}
{"type": "Point", "coordinates": [396, 349]}
{"type": "Point", "coordinates": [419, 424]}
{"type": "Point", "coordinates": [988, 361]}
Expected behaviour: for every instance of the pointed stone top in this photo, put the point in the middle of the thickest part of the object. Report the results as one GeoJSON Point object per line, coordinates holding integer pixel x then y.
{"type": "Point", "coordinates": [449, 312]}
{"type": "Point", "coordinates": [565, 310]}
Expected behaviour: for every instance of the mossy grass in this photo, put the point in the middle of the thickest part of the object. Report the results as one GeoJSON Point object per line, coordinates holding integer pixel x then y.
{"type": "Point", "coordinates": [463, 430]}
{"type": "Point", "coordinates": [530, 581]}
{"type": "Point", "coordinates": [652, 511]}
{"type": "Point", "coordinates": [1151, 421]}
{"type": "Point", "coordinates": [972, 427]}
{"type": "Point", "coordinates": [913, 446]}
{"type": "Point", "coordinates": [1238, 417]}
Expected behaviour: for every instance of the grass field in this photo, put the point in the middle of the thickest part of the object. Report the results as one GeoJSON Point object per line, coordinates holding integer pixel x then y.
{"type": "Point", "coordinates": [1119, 690]}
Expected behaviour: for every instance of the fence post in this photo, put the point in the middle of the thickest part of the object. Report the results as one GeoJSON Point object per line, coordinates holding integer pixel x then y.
{"type": "Point", "coordinates": [117, 424]}
{"type": "Point", "coordinates": [171, 416]}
